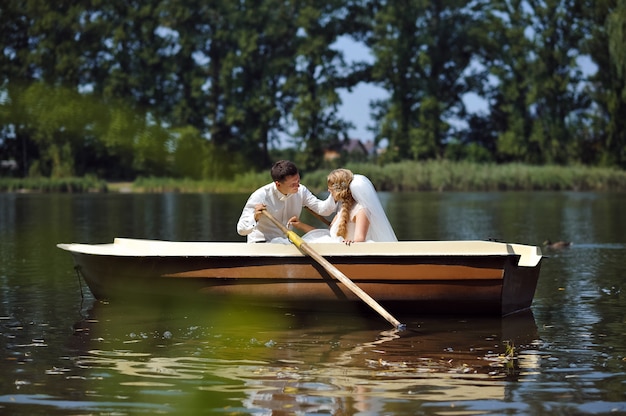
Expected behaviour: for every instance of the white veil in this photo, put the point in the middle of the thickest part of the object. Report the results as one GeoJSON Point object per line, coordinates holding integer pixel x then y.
{"type": "Point", "coordinates": [364, 193]}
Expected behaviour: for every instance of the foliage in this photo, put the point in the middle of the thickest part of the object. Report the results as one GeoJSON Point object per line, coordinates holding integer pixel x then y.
{"type": "Point", "coordinates": [424, 51]}
{"type": "Point", "coordinates": [443, 175]}
{"type": "Point", "coordinates": [199, 90]}
{"type": "Point", "coordinates": [432, 175]}
{"type": "Point", "coordinates": [605, 137]}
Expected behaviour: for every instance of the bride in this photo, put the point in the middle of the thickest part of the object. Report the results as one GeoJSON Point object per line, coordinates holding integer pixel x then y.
{"type": "Point", "coordinates": [361, 216]}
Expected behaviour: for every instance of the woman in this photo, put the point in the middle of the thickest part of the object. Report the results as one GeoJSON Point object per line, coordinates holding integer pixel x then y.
{"type": "Point", "coordinates": [361, 216]}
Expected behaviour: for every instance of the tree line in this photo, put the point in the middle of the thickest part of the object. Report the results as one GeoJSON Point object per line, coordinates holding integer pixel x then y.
{"type": "Point", "coordinates": [206, 89]}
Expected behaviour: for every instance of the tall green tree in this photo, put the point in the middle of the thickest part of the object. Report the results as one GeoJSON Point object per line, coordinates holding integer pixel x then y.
{"type": "Point", "coordinates": [555, 97]}
{"type": "Point", "coordinates": [607, 138]}
{"type": "Point", "coordinates": [505, 50]}
{"type": "Point", "coordinates": [423, 55]}
{"type": "Point", "coordinates": [616, 137]}
{"type": "Point", "coordinates": [42, 42]}
{"type": "Point", "coordinates": [200, 35]}
{"type": "Point", "coordinates": [319, 74]}
{"type": "Point", "coordinates": [255, 74]}
{"type": "Point", "coordinates": [536, 100]}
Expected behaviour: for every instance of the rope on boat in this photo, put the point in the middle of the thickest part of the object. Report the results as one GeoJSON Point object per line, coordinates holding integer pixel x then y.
{"type": "Point", "coordinates": [80, 277]}
{"type": "Point", "coordinates": [80, 285]}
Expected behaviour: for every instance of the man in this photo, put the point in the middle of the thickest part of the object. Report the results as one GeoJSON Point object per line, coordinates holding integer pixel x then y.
{"type": "Point", "coordinates": [284, 199]}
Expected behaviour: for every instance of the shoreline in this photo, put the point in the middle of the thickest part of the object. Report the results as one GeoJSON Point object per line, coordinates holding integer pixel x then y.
{"type": "Point", "coordinates": [438, 176]}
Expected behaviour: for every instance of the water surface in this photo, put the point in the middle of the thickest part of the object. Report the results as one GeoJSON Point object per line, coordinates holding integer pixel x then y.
{"type": "Point", "coordinates": [66, 354]}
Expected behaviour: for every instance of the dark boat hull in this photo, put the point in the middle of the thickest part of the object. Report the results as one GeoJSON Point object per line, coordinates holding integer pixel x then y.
{"type": "Point", "coordinates": [454, 282]}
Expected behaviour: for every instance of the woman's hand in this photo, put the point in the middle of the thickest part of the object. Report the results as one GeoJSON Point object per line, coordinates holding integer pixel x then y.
{"type": "Point", "coordinates": [293, 221]}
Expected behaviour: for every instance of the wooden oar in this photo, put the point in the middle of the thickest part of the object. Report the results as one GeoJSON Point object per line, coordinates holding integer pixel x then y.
{"type": "Point", "coordinates": [333, 271]}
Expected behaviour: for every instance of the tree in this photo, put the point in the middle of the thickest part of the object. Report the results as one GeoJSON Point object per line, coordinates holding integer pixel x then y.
{"type": "Point", "coordinates": [255, 73]}
{"type": "Point", "coordinates": [319, 74]}
{"type": "Point", "coordinates": [122, 88]}
{"type": "Point", "coordinates": [505, 51]}
{"type": "Point", "coordinates": [201, 35]}
{"type": "Point", "coordinates": [607, 138]}
{"type": "Point", "coordinates": [555, 98]}
{"type": "Point", "coordinates": [535, 95]}
{"type": "Point", "coordinates": [423, 53]}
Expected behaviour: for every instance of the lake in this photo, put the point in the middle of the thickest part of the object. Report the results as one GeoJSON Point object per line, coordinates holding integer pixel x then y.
{"type": "Point", "coordinates": [66, 354]}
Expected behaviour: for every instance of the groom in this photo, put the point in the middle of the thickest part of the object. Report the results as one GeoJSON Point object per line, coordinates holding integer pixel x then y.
{"type": "Point", "coordinates": [284, 198]}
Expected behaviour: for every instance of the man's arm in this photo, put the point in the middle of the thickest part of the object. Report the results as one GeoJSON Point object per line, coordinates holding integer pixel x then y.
{"type": "Point", "coordinates": [325, 207]}
{"type": "Point", "coordinates": [247, 221]}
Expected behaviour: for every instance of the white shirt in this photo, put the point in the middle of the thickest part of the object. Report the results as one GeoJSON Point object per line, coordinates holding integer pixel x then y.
{"type": "Point", "coordinates": [282, 207]}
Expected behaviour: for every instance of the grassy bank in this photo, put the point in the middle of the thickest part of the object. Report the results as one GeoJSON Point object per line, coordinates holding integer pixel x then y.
{"type": "Point", "coordinates": [465, 176]}
{"type": "Point", "coordinates": [405, 176]}
{"type": "Point", "coordinates": [66, 185]}
{"type": "Point", "coordinates": [426, 176]}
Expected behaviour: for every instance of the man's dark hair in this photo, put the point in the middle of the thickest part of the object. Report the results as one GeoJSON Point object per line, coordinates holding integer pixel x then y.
{"type": "Point", "coordinates": [282, 169]}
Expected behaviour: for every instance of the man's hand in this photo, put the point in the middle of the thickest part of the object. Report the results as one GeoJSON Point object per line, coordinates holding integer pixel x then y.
{"type": "Point", "coordinates": [258, 211]}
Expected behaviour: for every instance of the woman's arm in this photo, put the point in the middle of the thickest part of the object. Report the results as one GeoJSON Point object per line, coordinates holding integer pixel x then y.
{"type": "Point", "coordinates": [361, 227]}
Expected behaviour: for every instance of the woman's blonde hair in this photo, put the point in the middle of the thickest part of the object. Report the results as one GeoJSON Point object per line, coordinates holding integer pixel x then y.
{"type": "Point", "coordinates": [339, 181]}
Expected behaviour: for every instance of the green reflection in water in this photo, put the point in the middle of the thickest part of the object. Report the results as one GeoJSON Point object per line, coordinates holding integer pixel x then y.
{"type": "Point", "coordinates": [237, 358]}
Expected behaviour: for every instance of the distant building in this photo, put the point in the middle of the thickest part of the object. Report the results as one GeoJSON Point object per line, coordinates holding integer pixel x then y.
{"type": "Point", "coordinates": [10, 165]}
{"type": "Point", "coordinates": [352, 149]}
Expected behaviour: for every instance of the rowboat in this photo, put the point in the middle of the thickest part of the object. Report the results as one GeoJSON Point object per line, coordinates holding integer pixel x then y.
{"type": "Point", "coordinates": [451, 277]}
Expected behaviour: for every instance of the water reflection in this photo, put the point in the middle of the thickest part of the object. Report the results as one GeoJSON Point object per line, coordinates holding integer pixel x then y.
{"type": "Point", "coordinates": [276, 361]}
